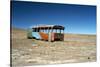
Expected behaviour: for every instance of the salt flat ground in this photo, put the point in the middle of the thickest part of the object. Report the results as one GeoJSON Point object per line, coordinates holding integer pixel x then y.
{"type": "Point", "coordinates": [75, 48]}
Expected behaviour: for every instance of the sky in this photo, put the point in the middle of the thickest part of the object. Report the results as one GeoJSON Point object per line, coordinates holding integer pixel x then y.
{"type": "Point", "coordinates": [78, 19]}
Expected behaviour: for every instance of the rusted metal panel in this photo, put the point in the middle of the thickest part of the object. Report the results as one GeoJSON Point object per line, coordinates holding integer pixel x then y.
{"type": "Point", "coordinates": [43, 35]}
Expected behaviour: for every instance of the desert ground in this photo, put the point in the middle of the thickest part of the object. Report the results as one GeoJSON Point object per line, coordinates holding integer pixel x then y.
{"type": "Point", "coordinates": [75, 48]}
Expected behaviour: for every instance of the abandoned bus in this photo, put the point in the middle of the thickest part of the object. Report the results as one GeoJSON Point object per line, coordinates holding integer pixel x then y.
{"type": "Point", "coordinates": [47, 32]}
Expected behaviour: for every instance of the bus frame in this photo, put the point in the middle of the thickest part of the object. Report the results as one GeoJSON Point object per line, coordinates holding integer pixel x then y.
{"type": "Point", "coordinates": [47, 32]}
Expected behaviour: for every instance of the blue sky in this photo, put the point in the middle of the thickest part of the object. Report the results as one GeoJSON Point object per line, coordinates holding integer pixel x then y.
{"type": "Point", "coordinates": [75, 18]}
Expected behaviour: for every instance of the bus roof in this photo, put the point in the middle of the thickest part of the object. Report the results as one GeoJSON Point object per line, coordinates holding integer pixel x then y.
{"type": "Point", "coordinates": [48, 27]}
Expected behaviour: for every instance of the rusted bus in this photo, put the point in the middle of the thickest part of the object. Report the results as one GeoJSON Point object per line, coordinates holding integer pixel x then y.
{"type": "Point", "coordinates": [48, 32]}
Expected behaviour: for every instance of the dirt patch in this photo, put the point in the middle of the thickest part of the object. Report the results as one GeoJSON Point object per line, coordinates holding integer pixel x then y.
{"type": "Point", "coordinates": [33, 52]}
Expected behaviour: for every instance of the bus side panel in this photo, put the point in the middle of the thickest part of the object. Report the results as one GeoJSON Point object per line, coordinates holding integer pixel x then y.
{"type": "Point", "coordinates": [52, 36]}
{"type": "Point", "coordinates": [36, 35]}
{"type": "Point", "coordinates": [43, 35]}
{"type": "Point", "coordinates": [58, 36]}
